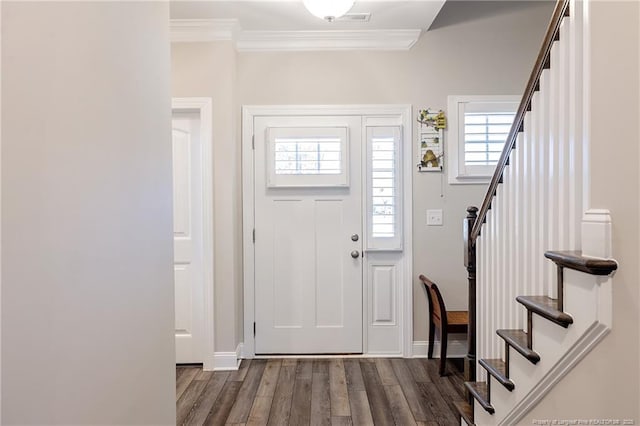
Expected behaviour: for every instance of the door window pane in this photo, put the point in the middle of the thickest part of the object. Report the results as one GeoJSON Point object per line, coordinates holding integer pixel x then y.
{"type": "Point", "coordinates": [307, 156]}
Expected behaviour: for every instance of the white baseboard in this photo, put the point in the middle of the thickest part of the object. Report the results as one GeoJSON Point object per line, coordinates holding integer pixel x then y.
{"type": "Point", "coordinates": [456, 348]}
{"type": "Point", "coordinates": [227, 361]}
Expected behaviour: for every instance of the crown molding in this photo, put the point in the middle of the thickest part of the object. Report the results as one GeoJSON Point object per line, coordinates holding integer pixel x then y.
{"type": "Point", "coordinates": [203, 30]}
{"type": "Point", "coordinates": [196, 30]}
{"type": "Point", "coordinates": [270, 41]}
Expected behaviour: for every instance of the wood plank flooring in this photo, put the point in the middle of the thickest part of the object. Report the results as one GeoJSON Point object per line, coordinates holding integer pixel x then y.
{"type": "Point", "coordinates": [327, 392]}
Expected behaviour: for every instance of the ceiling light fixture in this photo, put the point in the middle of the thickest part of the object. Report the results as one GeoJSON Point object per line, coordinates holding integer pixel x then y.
{"type": "Point", "coordinates": [328, 10]}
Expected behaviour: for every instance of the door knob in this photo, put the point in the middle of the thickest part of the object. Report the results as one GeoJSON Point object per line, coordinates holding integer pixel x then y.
{"type": "Point", "coordinates": [355, 254]}
{"type": "Point", "coordinates": [354, 237]}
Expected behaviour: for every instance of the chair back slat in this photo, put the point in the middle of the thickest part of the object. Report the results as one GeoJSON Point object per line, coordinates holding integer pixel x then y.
{"type": "Point", "coordinates": [435, 295]}
{"type": "Point", "coordinates": [439, 322]}
{"type": "Point", "coordinates": [437, 309]}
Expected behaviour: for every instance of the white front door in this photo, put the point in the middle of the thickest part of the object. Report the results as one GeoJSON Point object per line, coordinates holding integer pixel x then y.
{"type": "Point", "coordinates": [187, 232]}
{"type": "Point", "coordinates": [308, 235]}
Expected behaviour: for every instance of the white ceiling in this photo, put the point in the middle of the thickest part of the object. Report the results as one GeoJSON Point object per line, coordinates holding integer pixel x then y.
{"type": "Point", "coordinates": [291, 15]}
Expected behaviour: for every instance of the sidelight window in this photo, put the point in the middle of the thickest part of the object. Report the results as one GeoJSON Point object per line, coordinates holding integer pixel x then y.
{"type": "Point", "coordinates": [383, 189]}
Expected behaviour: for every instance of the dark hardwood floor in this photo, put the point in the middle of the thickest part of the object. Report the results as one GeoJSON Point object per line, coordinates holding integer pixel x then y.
{"type": "Point", "coordinates": [345, 391]}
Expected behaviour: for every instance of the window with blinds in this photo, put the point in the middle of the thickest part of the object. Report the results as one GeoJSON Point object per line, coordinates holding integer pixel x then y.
{"type": "Point", "coordinates": [382, 187]}
{"type": "Point", "coordinates": [478, 129]}
{"type": "Point", "coordinates": [484, 137]}
{"type": "Point", "coordinates": [383, 191]}
{"type": "Point", "coordinates": [307, 156]}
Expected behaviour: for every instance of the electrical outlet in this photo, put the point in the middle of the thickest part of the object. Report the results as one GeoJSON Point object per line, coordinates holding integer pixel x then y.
{"type": "Point", "coordinates": [434, 217]}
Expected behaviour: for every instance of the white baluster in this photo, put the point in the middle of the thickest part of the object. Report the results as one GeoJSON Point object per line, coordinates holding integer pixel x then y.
{"type": "Point", "coordinates": [481, 324]}
{"type": "Point", "coordinates": [553, 218]}
{"type": "Point", "coordinates": [564, 169]}
{"type": "Point", "coordinates": [519, 212]}
{"type": "Point", "coordinates": [506, 255]}
{"type": "Point", "coordinates": [524, 274]}
{"type": "Point", "coordinates": [497, 287]}
{"type": "Point", "coordinates": [542, 160]}
{"type": "Point", "coordinates": [486, 328]}
{"type": "Point", "coordinates": [494, 272]}
{"type": "Point", "coordinates": [531, 244]}
{"type": "Point", "coordinates": [480, 303]}
{"type": "Point", "coordinates": [510, 283]}
{"type": "Point", "coordinates": [576, 120]}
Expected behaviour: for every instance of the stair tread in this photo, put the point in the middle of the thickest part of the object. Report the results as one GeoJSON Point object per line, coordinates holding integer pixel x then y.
{"type": "Point", "coordinates": [547, 308]}
{"type": "Point", "coordinates": [466, 411]}
{"type": "Point", "coordinates": [480, 392]}
{"type": "Point", "coordinates": [497, 368]}
{"type": "Point", "coordinates": [517, 339]}
{"type": "Point", "coordinates": [575, 260]}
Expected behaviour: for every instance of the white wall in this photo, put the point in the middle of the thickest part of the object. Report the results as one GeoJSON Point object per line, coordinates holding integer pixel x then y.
{"type": "Point", "coordinates": [605, 384]}
{"type": "Point", "coordinates": [474, 48]}
{"type": "Point", "coordinates": [87, 278]}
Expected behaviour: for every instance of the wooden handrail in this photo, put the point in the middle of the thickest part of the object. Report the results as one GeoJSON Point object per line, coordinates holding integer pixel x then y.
{"type": "Point", "coordinates": [553, 31]}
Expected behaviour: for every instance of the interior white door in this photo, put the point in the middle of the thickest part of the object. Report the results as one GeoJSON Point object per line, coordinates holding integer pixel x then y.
{"type": "Point", "coordinates": [187, 233]}
{"type": "Point", "coordinates": [308, 235]}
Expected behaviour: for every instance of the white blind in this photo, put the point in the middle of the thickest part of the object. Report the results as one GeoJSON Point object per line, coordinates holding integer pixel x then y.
{"type": "Point", "coordinates": [484, 137]}
{"type": "Point", "coordinates": [384, 206]}
{"type": "Point", "coordinates": [383, 170]}
{"type": "Point", "coordinates": [304, 156]}
{"type": "Point", "coordinates": [307, 157]}
{"type": "Point", "coordinates": [478, 128]}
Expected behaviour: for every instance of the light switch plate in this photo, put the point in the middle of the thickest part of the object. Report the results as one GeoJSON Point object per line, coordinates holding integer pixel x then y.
{"type": "Point", "coordinates": [434, 217]}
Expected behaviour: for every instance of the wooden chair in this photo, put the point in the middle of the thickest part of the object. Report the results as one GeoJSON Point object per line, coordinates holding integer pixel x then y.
{"type": "Point", "coordinates": [445, 322]}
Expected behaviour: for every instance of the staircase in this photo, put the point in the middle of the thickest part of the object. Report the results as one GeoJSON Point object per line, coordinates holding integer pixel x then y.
{"type": "Point", "coordinates": [533, 319]}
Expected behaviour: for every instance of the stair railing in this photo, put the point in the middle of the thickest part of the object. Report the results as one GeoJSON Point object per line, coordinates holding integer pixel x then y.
{"type": "Point", "coordinates": [477, 217]}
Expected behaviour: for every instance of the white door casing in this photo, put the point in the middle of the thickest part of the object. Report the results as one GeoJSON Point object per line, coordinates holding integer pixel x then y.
{"type": "Point", "coordinates": [308, 284]}
{"type": "Point", "coordinates": [387, 322]}
{"type": "Point", "coordinates": [193, 230]}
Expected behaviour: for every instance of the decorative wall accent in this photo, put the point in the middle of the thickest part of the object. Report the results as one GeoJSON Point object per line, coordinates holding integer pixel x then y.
{"type": "Point", "coordinates": [431, 140]}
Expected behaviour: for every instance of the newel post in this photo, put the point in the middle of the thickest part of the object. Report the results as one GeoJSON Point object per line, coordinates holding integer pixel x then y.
{"type": "Point", "coordinates": [470, 264]}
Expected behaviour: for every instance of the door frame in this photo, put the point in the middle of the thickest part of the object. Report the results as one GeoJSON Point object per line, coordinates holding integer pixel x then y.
{"type": "Point", "coordinates": [203, 107]}
{"type": "Point", "coordinates": [249, 112]}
